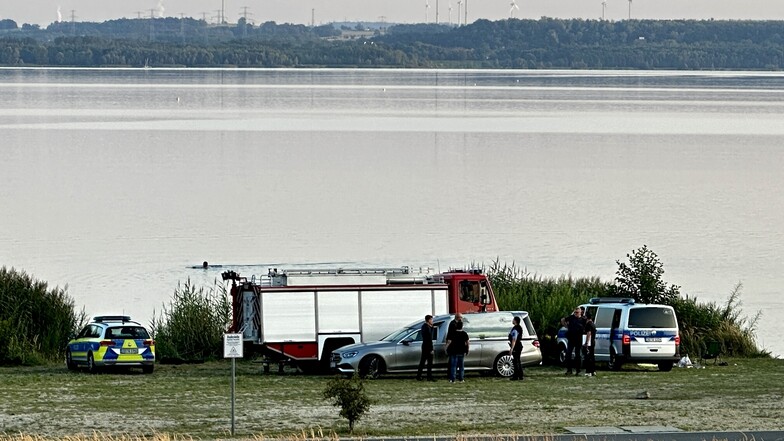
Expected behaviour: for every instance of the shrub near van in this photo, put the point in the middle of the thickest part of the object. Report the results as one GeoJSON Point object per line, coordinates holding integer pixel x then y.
{"type": "Point", "coordinates": [630, 332]}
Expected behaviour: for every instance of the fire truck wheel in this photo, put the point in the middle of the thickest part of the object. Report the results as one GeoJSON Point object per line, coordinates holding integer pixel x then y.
{"type": "Point", "coordinates": [371, 367]}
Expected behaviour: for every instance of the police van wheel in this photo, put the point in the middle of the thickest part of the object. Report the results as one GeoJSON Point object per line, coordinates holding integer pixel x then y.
{"type": "Point", "coordinates": [148, 369]}
{"type": "Point", "coordinates": [614, 364]}
{"type": "Point", "coordinates": [562, 354]}
{"type": "Point", "coordinates": [91, 368]}
{"type": "Point", "coordinates": [371, 367]}
{"type": "Point", "coordinates": [504, 366]}
{"type": "Point", "coordinates": [665, 366]}
{"type": "Point", "coordinates": [69, 363]}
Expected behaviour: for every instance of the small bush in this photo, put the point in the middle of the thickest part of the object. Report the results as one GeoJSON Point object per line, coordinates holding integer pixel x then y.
{"type": "Point", "coordinates": [191, 327]}
{"type": "Point", "coordinates": [349, 395]}
{"type": "Point", "coordinates": [35, 322]}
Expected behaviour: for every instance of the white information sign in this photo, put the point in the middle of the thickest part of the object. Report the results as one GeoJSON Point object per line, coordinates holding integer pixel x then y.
{"type": "Point", "coordinates": [232, 345]}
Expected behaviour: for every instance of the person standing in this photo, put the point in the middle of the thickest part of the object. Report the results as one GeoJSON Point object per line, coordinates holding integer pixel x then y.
{"type": "Point", "coordinates": [427, 349]}
{"type": "Point", "coordinates": [516, 348]}
{"type": "Point", "coordinates": [575, 327]}
{"type": "Point", "coordinates": [452, 324]}
{"type": "Point", "coordinates": [589, 347]}
{"type": "Point", "coordinates": [457, 349]}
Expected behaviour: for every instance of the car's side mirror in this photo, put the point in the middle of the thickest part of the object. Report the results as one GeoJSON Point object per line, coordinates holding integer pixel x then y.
{"type": "Point", "coordinates": [406, 342]}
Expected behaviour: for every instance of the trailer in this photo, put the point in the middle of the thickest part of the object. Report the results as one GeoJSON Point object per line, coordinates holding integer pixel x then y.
{"type": "Point", "coordinates": [299, 316]}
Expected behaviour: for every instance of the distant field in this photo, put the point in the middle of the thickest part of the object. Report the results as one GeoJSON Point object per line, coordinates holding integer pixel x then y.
{"type": "Point", "coordinates": [193, 401]}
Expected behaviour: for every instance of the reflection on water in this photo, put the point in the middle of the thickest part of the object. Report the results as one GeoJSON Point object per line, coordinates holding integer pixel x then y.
{"type": "Point", "coordinates": [121, 180]}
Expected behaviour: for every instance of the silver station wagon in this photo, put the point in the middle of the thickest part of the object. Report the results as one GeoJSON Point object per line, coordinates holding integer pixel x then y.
{"type": "Point", "coordinates": [399, 351]}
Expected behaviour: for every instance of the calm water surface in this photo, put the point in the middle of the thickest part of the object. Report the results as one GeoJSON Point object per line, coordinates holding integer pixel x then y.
{"type": "Point", "coordinates": [115, 182]}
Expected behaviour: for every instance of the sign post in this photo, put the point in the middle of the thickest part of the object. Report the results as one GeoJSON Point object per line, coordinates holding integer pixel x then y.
{"type": "Point", "coordinates": [232, 348]}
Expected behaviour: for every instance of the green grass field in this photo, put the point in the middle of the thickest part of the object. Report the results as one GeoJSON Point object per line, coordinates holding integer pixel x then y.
{"type": "Point", "coordinates": [194, 401]}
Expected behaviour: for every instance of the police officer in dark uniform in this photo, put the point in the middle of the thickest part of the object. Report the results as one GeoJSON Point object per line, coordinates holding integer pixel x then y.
{"type": "Point", "coordinates": [516, 348]}
{"type": "Point", "coordinates": [575, 328]}
{"type": "Point", "coordinates": [427, 349]}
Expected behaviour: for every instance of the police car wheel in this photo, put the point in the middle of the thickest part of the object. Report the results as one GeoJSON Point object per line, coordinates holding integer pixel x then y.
{"type": "Point", "coordinates": [148, 369]}
{"type": "Point", "coordinates": [69, 363]}
{"type": "Point", "coordinates": [91, 364]}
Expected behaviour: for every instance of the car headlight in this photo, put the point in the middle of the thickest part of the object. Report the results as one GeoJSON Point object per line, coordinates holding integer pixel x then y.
{"type": "Point", "coordinates": [349, 354]}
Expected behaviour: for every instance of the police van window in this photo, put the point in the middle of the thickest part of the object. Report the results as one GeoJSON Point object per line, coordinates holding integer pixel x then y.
{"type": "Point", "coordinates": [591, 312]}
{"type": "Point", "coordinates": [604, 317]}
{"type": "Point", "coordinates": [95, 331]}
{"type": "Point", "coordinates": [652, 318]}
{"type": "Point", "coordinates": [469, 291]}
{"type": "Point", "coordinates": [616, 321]}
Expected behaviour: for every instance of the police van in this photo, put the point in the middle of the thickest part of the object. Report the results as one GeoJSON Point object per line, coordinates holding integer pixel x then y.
{"type": "Point", "coordinates": [630, 332]}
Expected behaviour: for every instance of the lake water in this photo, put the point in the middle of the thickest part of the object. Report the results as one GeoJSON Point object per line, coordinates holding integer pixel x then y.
{"type": "Point", "coordinates": [116, 181]}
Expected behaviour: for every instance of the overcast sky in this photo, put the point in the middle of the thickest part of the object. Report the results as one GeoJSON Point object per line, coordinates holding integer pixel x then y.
{"type": "Point", "coordinates": [44, 12]}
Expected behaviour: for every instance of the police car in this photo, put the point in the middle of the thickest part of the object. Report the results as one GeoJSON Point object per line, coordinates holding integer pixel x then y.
{"type": "Point", "coordinates": [111, 341]}
{"type": "Point", "coordinates": [631, 332]}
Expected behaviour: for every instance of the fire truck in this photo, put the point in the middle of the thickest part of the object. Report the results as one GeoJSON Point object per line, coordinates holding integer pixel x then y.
{"type": "Point", "coordinates": [299, 316]}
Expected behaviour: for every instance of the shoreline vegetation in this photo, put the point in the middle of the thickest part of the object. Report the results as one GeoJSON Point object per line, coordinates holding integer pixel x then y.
{"type": "Point", "coordinates": [546, 43]}
{"type": "Point", "coordinates": [36, 321]}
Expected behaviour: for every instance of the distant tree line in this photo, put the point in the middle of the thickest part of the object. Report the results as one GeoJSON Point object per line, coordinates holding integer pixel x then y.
{"type": "Point", "coordinates": [513, 43]}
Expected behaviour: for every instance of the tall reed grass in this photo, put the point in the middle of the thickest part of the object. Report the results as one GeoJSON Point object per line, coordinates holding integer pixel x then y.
{"type": "Point", "coordinates": [549, 299]}
{"type": "Point", "coordinates": [35, 321]}
{"type": "Point", "coordinates": [191, 327]}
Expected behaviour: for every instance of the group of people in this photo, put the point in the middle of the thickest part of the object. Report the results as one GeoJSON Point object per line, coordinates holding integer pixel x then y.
{"type": "Point", "coordinates": [581, 340]}
{"type": "Point", "coordinates": [457, 346]}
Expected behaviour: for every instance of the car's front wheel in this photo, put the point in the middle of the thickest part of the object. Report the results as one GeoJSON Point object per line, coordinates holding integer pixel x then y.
{"type": "Point", "coordinates": [371, 366]}
{"type": "Point", "coordinates": [69, 363]}
{"type": "Point", "coordinates": [148, 368]}
{"type": "Point", "coordinates": [504, 365]}
{"type": "Point", "coordinates": [91, 367]}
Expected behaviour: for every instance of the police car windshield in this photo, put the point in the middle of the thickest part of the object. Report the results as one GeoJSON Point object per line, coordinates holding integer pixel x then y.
{"type": "Point", "coordinates": [127, 332]}
{"type": "Point", "coordinates": [652, 318]}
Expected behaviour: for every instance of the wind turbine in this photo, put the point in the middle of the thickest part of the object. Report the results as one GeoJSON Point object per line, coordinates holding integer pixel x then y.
{"type": "Point", "coordinates": [459, 7]}
{"type": "Point", "coordinates": [604, 8]}
{"type": "Point", "coordinates": [427, 10]}
{"type": "Point", "coordinates": [450, 12]}
{"type": "Point", "coordinates": [513, 7]}
{"type": "Point", "coordinates": [630, 9]}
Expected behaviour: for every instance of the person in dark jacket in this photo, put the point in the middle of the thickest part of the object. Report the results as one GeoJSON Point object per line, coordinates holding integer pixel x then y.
{"type": "Point", "coordinates": [427, 349]}
{"type": "Point", "coordinates": [589, 346]}
{"type": "Point", "coordinates": [457, 349]}
{"type": "Point", "coordinates": [516, 348]}
{"type": "Point", "coordinates": [575, 328]}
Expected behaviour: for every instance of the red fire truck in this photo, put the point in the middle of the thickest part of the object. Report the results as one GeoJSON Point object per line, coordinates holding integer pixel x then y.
{"type": "Point", "coordinates": [299, 316]}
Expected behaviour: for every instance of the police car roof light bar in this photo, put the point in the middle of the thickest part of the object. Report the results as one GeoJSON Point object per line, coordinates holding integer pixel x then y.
{"type": "Point", "coordinates": [597, 300]}
{"type": "Point", "coordinates": [111, 318]}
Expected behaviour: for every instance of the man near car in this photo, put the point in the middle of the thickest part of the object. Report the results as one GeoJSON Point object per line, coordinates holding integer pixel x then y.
{"type": "Point", "coordinates": [516, 348]}
{"type": "Point", "coordinates": [457, 349]}
{"type": "Point", "coordinates": [575, 328]}
{"type": "Point", "coordinates": [427, 349]}
{"type": "Point", "coordinates": [589, 346]}
{"type": "Point", "coordinates": [450, 332]}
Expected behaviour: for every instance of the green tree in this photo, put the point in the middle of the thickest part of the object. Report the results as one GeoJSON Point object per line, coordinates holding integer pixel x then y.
{"type": "Point", "coordinates": [642, 278]}
{"type": "Point", "coordinates": [349, 395]}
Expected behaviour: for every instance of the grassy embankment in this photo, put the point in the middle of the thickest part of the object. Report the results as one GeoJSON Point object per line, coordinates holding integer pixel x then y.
{"type": "Point", "coordinates": [193, 401]}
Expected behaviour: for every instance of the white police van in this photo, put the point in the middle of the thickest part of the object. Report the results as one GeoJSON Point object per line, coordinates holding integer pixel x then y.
{"type": "Point", "coordinates": [630, 332]}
